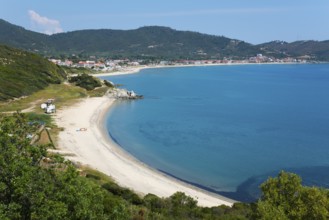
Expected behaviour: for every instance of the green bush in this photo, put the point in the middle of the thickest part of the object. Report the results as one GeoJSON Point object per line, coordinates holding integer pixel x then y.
{"type": "Point", "coordinates": [86, 81]}
{"type": "Point", "coordinates": [92, 176]}
{"type": "Point", "coordinates": [108, 84]}
{"type": "Point", "coordinates": [285, 196]}
{"type": "Point", "coordinates": [126, 194]}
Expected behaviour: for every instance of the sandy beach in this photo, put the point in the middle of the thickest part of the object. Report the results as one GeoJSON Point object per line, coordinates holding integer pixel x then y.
{"type": "Point", "coordinates": [86, 142]}
{"type": "Point", "coordinates": [125, 71]}
{"type": "Point", "coordinates": [137, 69]}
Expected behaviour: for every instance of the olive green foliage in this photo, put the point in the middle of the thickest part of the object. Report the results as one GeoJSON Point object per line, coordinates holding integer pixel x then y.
{"type": "Point", "coordinates": [315, 49]}
{"type": "Point", "coordinates": [284, 197]}
{"type": "Point", "coordinates": [124, 193]}
{"type": "Point", "coordinates": [109, 84]}
{"type": "Point", "coordinates": [86, 81]}
{"type": "Point", "coordinates": [78, 70]}
{"type": "Point", "coordinates": [181, 206]}
{"type": "Point", "coordinates": [22, 73]}
{"type": "Point", "coordinates": [21, 38]}
{"type": "Point", "coordinates": [40, 118]}
{"type": "Point", "coordinates": [30, 191]}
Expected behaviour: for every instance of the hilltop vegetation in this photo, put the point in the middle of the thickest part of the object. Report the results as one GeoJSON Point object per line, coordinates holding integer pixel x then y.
{"type": "Point", "coordinates": [318, 50]}
{"type": "Point", "coordinates": [146, 42]}
{"type": "Point", "coordinates": [152, 42]}
{"type": "Point", "coordinates": [19, 37]}
{"type": "Point", "coordinates": [22, 73]}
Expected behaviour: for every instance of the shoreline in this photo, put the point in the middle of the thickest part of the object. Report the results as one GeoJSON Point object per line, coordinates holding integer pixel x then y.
{"type": "Point", "coordinates": [137, 69]}
{"type": "Point", "coordinates": [136, 175]}
{"type": "Point", "coordinates": [95, 148]}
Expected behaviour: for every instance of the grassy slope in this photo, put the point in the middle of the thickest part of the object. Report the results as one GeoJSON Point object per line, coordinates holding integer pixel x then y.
{"type": "Point", "coordinates": [22, 73]}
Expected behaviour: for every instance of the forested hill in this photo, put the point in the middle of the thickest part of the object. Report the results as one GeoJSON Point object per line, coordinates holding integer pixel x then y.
{"type": "Point", "coordinates": [19, 37]}
{"type": "Point", "coordinates": [317, 49]}
{"type": "Point", "coordinates": [153, 42]}
{"type": "Point", "coordinates": [22, 73]}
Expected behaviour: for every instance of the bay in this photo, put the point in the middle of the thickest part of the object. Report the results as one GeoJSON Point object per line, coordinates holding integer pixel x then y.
{"type": "Point", "coordinates": [227, 128]}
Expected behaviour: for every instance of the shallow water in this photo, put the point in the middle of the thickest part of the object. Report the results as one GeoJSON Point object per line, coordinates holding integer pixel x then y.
{"type": "Point", "coordinates": [227, 128]}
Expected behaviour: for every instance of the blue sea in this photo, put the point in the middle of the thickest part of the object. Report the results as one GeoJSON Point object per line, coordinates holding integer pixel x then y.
{"type": "Point", "coordinates": [228, 128]}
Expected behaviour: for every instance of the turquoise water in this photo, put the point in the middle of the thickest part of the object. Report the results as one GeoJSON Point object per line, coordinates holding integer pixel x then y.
{"type": "Point", "coordinates": [227, 128]}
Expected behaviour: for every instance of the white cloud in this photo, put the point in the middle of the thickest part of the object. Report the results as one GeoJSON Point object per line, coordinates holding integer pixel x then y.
{"type": "Point", "coordinates": [46, 25]}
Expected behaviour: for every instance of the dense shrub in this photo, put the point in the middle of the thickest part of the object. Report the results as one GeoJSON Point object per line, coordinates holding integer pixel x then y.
{"type": "Point", "coordinates": [108, 84]}
{"type": "Point", "coordinates": [86, 81]}
{"type": "Point", "coordinates": [126, 194]}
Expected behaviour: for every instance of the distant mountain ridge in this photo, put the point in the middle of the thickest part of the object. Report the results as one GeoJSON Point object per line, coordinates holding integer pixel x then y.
{"type": "Point", "coordinates": [152, 42]}
{"type": "Point", "coordinates": [16, 36]}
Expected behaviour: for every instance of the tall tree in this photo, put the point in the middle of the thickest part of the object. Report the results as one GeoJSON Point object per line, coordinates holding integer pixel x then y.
{"type": "Point", "coordinates": [284, 197]}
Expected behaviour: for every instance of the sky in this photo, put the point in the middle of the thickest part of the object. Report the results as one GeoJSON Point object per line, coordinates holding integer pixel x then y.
{"type": "Point", "coordinates": [253, 21]}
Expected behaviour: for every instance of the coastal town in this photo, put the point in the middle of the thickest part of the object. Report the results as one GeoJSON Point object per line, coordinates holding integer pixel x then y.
{"type": "Point", "coordinates": [110, 65]}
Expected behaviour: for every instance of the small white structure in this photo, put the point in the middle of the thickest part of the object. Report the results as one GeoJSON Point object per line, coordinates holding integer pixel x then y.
{"type": "Point", "coordinates": [51, 109]}
{"type": "Point", "coordinates": [48, 106]}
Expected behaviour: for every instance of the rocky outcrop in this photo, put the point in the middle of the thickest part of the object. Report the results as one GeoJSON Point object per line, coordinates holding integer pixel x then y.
{"type": "Point", "coordinates": [124, 94]}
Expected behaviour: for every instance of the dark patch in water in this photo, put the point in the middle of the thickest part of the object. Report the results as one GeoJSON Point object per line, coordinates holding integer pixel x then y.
{"type": "Point", "coordinates": [311, 176]}
{"type": "Point", "coordinates": [249, 190]}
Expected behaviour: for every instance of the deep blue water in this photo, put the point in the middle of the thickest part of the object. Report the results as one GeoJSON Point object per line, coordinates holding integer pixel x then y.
{"type": "Point", "coordinates": [227, 128]}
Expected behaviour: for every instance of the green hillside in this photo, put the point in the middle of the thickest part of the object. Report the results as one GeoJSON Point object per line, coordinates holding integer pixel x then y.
{"type": "Point", "coordinates": [19, 37]}
{"type": "Point", "coordinates": [22, 73]}
{"type": "Point", "coordinates": [160, 42]}
{"type": "Point", "coordinates": [318, 50]}
{"type": "Point", "coordinates": [154, 41]}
